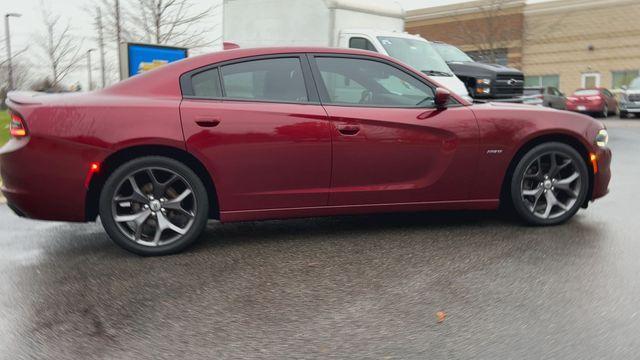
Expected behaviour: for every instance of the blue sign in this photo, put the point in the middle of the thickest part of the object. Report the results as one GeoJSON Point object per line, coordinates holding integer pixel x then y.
{"type": "Point", "coordinates": [143, 58]}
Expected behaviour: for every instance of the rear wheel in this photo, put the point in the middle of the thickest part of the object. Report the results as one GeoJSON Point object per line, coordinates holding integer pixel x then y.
{"type": "Point", "coordinates": [550, 184]}
{"type": "Point", "coordinates": [154, 206]}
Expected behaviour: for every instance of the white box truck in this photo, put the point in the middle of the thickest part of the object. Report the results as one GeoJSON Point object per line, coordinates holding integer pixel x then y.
{"type": "Point", "coordinates": [375, 25]}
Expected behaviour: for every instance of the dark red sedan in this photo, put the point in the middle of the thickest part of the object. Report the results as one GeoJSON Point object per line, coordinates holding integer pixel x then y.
{"type": "Point", "coordinates": [598, 101]}
{"type": "Point", "coordinates": [254, 134]}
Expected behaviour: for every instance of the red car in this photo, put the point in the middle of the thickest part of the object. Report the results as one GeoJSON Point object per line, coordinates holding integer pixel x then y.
{"type": "Point", "coordinates": [597, 101]}
{"type": "Point", "coordinates": [253, 134]}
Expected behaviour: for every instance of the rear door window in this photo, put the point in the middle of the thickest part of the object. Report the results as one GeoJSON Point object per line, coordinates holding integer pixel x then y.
{"type": "Point", "coordinates": [207, 84]}
{"type": "Point", "coordinates": [278, 80]}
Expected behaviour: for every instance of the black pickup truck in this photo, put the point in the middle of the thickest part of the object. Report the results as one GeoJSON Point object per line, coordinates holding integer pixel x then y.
{"type": "Point", "coordinates": [484, 81]}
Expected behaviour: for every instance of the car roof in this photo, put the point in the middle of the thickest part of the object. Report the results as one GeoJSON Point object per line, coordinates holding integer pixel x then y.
{"type": "Point", "coordinates": [164, 81]}
{"type": "Point", "coordinates": [377, 33]}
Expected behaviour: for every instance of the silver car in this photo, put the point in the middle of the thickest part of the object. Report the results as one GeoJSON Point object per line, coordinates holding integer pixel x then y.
{"type": "Point", "coordinates": [629, 103]}
{"type": "Point", "coordinates": [544, 96]}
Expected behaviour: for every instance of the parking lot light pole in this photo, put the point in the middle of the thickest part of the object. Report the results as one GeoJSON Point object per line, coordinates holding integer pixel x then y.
{"type": "Point", "coordinates": [7, 34]}
{"type": "Point", "coordinates": [89, 87]}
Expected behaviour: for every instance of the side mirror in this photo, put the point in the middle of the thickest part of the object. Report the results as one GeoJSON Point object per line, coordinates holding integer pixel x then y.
{"type": "Point", "coordinates": [442, 98]}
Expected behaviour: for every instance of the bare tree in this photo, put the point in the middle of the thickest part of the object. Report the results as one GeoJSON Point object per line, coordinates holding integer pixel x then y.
{"type": "Point", "coordinates": [61, 49]}
{"type": "Point", "coordinates": [171, 22]}
{"type": "Point", "coordinates": [488, 33]}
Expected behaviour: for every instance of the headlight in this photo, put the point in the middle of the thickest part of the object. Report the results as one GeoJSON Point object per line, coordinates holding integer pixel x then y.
{"type": "Point", "coordinates": [483, 82]}
{"type": "Point", "coordinates": [602, 139]}
{"type": "Point", "coordinates": [483, 91]}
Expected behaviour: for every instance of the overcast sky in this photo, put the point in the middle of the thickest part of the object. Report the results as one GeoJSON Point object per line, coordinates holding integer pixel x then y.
{"type": "Point", "coordinates": [23, 29]}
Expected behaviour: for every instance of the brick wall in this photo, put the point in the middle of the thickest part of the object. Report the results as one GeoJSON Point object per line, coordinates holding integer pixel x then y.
{"type": "Point", "coordinates": [572, 37]}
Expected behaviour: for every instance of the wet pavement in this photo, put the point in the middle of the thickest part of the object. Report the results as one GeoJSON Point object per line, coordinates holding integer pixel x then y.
{"type": "Point", "coordinates": [347, 287]}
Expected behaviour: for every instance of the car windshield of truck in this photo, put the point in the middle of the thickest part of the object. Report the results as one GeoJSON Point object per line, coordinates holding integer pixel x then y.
{"type": "Point", "coordinates": [416, 53]}
{"type": "Point", "coordinates": [635, 84]}
{"type": "Point", "coordinates": [451, 53]}
{"type": "Point", "coordinates": [586, 92]}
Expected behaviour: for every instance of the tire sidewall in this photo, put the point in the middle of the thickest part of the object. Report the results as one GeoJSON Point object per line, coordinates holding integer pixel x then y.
{"type": "Point", "coordinates": [116, 178]}
{"type": "Point", "coordinates": [520, 169]}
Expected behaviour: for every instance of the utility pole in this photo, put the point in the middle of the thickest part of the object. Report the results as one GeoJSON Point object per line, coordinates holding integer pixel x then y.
{"type": "Point", "coordinates": [8, 40]}
{"type": "Point", "coordinates": [118, 37]}
{"type": "Point", "coordinates": [90, 87]}
{"type": "Point", "coordinates": [101, 45]}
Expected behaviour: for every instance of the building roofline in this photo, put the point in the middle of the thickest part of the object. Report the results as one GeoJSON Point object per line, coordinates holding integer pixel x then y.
{"type": "Point", "coordinates": [571, 5]}
{"type": "Point", "coordinates": [465, 8]}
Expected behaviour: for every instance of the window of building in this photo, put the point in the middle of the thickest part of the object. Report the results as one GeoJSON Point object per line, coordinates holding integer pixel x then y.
{"type": "Point", "coordinates": [499, 56]}
{"type": "Point", "coordinates": [367, 82]}
{"type": "Point", "coordinates": [623, 78]}
{"type": "Point", "coordinates": [269, 80]}
{"type": "Point", "coordinates": [361, 43]}
{"type": "Point", "coordinates": [591, 80]}
{"type": "Point", "coordinates": [542, 81]}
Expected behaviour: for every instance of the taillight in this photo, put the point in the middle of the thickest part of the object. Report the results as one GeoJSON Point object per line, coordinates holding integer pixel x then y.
{"type": "Point", "coordinates": [17, 127]}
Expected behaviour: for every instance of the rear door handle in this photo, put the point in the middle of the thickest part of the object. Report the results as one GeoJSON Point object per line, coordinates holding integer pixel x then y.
{"type": "Point", "coordinates": [207, 122]}
{"type": "Point", "coordinates": [348, 130]}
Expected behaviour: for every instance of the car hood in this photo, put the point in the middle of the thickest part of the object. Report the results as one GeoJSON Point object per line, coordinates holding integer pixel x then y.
{"type": "Point", "coordinates": [631, 91]}
{"type": "Point", "coordinates": [479, 68]}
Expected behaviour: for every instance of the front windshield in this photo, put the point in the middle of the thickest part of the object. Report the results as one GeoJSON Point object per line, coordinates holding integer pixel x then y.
{"type": "Point", "coordinates": [635, 84]}
{"type": "Point", "coordinates": [416, 53]}
{"type": "Point", "coordinates": [451, 53]}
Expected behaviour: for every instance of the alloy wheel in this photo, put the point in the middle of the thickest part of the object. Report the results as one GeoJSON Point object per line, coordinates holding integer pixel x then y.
{"type": "Point", "coordinates": [551, 185]}
{"type": "Point", "coordinates": [154, 206]}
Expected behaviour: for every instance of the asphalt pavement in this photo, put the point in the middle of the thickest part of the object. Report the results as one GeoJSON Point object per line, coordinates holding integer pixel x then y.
{"type": "Point", "coordinates": [459, 285]}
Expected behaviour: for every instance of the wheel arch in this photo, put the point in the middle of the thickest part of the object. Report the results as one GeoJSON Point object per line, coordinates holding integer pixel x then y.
{"type": "Point", "coordinates": [113, 161]}
{"type": "Point", "coordinates": [563, 138]}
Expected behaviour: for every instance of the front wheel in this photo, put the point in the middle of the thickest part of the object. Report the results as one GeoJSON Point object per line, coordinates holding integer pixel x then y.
{"type": "Point", "coordinates": [154, 206]}
{"type": "Point", "coordinates": [623, 114]}
{"type": "Point", "coordinates": [549, 184]}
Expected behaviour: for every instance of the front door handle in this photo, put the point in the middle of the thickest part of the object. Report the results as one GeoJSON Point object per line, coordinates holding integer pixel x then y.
{"type": "Point", "coordinates": [348, 130]}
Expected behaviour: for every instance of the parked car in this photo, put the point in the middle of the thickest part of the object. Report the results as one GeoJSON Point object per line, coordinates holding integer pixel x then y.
{"type": "Point", "coordinates": [596, 101]}
{"type": "Point", "coordinates": [484, 81]}
{"type": "Point", "coordinates": [273, 133]}
{"type": "Point", "coordinates": [544, 96]}
{"type": "Point", "coordinates": [630, 99]}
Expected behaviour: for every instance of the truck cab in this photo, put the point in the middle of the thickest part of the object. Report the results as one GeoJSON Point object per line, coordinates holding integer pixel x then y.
{"type": "Point", "coordinates": [413, 50]}
{"type": "Point", "coordinates": [484, 81]}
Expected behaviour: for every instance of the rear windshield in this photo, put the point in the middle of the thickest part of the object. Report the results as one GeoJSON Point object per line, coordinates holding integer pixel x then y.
{"type": "Point", "coordinates": [586, 92]}
{"type": "Point", "coordinates": [529, 92]}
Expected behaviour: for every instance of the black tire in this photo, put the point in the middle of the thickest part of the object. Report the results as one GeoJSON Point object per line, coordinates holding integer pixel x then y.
{"type": "Point", "coordinates": [122, 173]}
{"type": "Point", "coordinates": [624, 115]}
{"type": "Point", "coordinates": [518, 177]}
